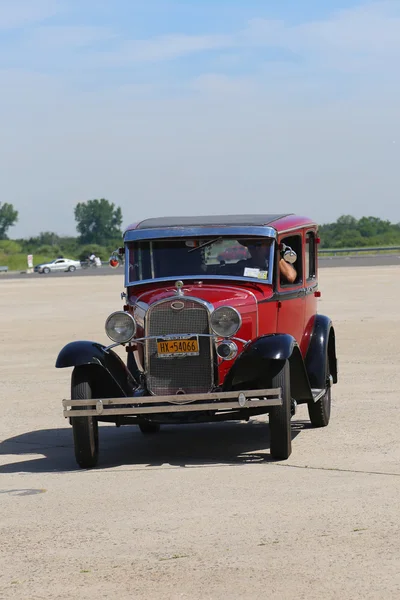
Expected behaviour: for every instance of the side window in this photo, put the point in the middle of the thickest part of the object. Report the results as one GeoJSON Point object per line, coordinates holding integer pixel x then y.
{"type": "Point", "coordinates": [295, 243]}
{"type": "Point", "coordinates": [310, 256]}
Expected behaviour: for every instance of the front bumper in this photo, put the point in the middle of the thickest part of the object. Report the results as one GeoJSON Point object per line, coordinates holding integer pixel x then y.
{"type": "Point", "coordinates": [145, 405]}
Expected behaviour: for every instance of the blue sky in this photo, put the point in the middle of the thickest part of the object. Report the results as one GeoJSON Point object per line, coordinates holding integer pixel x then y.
{"type": "Point", "coordinates": [168, 107]}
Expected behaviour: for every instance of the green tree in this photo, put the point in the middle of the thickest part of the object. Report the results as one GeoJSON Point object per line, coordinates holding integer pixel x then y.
{"type": "Point", "coordinates": [98, 221]}
{"type": "Point", "coordinates": [348, 232]}
{"type": "Point", "coordinates": [48, 238]}
{"type": "Point", "coordinates": [8, 218]}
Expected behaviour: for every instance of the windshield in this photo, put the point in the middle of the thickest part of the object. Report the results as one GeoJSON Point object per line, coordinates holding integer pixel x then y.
{"type": "Point", "coordinates": [220, 256]}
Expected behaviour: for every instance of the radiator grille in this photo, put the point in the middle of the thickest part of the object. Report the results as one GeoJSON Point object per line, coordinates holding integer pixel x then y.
{"type": "Point", "coordinates": [193, 374]}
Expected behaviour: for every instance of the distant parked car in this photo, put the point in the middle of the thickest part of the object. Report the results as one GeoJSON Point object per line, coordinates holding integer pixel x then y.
{"type": "Point", "coordinates": [37, 268]}
{"type": "Point", "coordinates": [59, 264]}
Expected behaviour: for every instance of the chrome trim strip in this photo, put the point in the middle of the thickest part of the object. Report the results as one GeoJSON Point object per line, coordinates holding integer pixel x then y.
{"type": "Point", "coordinates": [171, 298]}
{"type": "Point", "coordinates": [135, 235]}
{"type": "Point", "coordinates": [297, 228]}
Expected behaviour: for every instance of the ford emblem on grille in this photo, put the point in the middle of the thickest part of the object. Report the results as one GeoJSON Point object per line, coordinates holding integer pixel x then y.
{"type": "Point", "coordinates": [177, 305]}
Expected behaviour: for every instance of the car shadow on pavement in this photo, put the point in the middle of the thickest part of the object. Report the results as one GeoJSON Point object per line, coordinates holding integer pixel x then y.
{"type": "Point", "coordinates": [175, 445]}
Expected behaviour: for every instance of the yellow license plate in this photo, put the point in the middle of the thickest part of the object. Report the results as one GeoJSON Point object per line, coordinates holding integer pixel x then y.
{"type": "Point", "coordinates": [178, 347]}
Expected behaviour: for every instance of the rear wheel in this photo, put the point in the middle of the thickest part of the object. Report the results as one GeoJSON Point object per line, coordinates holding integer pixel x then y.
{"type": "Point", "coordinates": [320, 411]}
{"type": "Point", "coordinates": [149, 428]}
{"type": "Point", "coordinates": [279, 417]}
{"type": "Point", "coordinates": [72, 269]}
{"type": "Point", "coordinates": [85, 429]}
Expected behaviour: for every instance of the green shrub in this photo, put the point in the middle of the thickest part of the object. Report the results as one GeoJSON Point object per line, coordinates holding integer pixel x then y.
{"type": "Point", "coordinates": [19, 262]}
{"type": "Point", "coordinates": [10, 247]}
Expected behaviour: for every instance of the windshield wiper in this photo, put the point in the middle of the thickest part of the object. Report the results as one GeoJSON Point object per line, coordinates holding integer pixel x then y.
{"type": "Point", "coordinates": [205, 244]}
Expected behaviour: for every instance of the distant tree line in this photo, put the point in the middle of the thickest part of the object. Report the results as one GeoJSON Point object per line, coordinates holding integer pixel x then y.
{"type": "Point", "coordinates": [99, 222]}
{"type": "Point", "coordinates": [349, 232]}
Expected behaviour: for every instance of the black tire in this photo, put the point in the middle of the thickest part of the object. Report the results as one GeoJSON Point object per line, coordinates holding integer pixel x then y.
{"type": "Point", "coordinates": [46, 270]}
{"type": "Point", "coordinates": [149, 428]}
{"type": "Point", "coordinates": [85, 429]}
{"type": "Point", "coordinates": [279, 417]}
{"type": "Point", "coordinates": [320, 411]}
{"type": "Point", "coordinates": [72, 269]}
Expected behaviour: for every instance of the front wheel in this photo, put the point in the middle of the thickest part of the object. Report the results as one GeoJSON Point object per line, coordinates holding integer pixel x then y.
{"type": "Point", "coordinates": [279, 417]}
{"type": "Point", "coordinates": [85, 429]}
{"type": "Point", "coordinates": [46, 270]}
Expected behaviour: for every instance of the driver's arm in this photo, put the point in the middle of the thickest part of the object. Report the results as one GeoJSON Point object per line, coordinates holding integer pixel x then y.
{"type": "Point", "coordinates": [287, 271]}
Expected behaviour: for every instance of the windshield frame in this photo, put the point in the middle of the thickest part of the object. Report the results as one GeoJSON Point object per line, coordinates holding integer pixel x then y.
{"type": "Point", "coordinates": [206, 233]}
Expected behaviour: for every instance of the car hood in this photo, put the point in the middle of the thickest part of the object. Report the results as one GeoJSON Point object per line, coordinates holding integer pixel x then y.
{"type": "Point", "coordinates": [243, 299]}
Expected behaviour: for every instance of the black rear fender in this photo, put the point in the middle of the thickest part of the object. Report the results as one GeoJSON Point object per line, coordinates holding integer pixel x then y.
{"type": "Point", "coordinates": [111, 376]}
{"type": "Point", "coordinates": [262, 359]}
{"type": "Point", "coordinates": [322, 346]}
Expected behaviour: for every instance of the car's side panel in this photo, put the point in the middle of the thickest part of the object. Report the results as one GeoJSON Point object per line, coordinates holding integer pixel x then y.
{"type": "Point", "coordinates": [291, 314]}
{"type": "Point", "coordinates": [311, 286]}
{"type": "Point", "coordinates": [115, 373]}
{"type": "Point", "coordinates": [291, 302]}
{"type": "Point", "coordinates": [322, 344]}
{"type": "Point", "coordinates": [262, 359]}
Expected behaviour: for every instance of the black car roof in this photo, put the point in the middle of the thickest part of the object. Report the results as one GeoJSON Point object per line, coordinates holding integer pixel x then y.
{"type": "Point", "coordinates": [211, 220]}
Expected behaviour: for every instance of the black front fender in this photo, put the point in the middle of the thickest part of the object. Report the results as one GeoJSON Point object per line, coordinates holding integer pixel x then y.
{"type": "Point", "coordinates": [115, 374]}
{"type": "Point", "coordinates": [262, 359]}
{"type": "Point", "coordinates": [322, 347]}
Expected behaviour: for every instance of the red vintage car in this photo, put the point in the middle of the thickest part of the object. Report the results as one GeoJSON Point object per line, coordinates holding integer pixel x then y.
{"type": "Point", "coordinates": [208, 339]}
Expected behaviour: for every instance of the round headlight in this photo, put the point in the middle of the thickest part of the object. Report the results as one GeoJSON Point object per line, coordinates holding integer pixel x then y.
{"type": "Point", "coordinates": [225, 321]}
{"type": "Point", "coordinates": [120, 327]}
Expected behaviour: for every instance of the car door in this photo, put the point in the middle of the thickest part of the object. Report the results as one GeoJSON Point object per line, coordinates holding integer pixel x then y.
{"type": "Point", "coordinates": [291, 296]}
{"type": "Point", "coordinates": [60, 265]}
{"type": "Point", "coordinates": [311, 285]}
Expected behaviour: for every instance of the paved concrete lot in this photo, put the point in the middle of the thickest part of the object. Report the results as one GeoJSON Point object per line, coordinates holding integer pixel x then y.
{"type": "Point", "coordinates": [199, 512]}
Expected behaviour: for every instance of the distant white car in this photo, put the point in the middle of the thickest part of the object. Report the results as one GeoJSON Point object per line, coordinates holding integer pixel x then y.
{"type": "Point", "coordinates": [59, 264]}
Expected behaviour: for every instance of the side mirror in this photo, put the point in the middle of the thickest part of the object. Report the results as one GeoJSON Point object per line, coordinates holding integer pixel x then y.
{"type": "Point", "coordinates": [114, 262]}
{"type": "Point", "coordinates": [288, 254]}
{"type": "Point", "coordinates": [115, 258]}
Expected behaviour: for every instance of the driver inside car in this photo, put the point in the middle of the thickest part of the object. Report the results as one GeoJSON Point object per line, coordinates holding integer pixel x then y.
{"type": "Point", "coordinates": [259, 259]}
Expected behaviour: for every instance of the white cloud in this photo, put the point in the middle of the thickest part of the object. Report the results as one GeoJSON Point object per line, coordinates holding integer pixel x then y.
{"type": "Point", "coordinates": [304, 135]}
{"type": "Point", "coordinates": [371, 30]}
{"type": "Point", "coordinates": [69, 36]}
{"type": "Point", "coordinates": [17, 13]}
{"type": "Point", "coordinates": [219, 151]}
{"type": "Point", "coordinates": [165, 48]}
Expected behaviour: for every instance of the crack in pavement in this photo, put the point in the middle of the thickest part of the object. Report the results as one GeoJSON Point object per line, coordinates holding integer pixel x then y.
{"type": "Point", "coordinates": [340, 470]}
